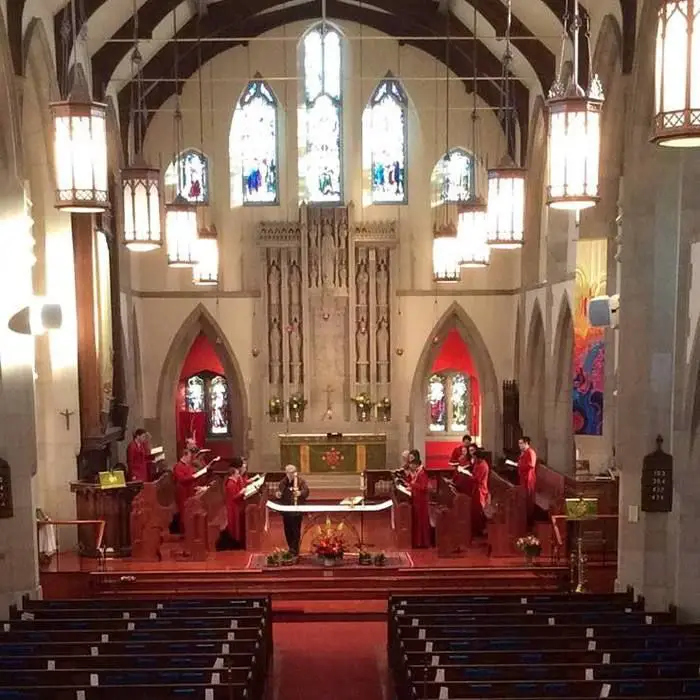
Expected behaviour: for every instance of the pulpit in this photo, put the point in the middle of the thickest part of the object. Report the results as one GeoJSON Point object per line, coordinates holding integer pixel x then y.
{"type": "Point", "coordinates": [113, 505]}
{"type": "Point", "coordinates": [334, 453]}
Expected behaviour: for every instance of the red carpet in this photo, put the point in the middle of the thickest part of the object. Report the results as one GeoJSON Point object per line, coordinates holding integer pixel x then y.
{"type": "Point", "coordinates": [321, 660]}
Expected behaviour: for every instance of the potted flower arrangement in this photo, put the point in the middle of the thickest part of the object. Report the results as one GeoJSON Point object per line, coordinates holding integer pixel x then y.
{"type": "Point", "coordinates": [380, 559]}
{"type": "Point", "coordinates": [297, 404]}
{"type": "Point", "coordinates": [274, 558]}
{"type": "Point", "coordinates": [530, 546]}
{"type": "Point", "coordinates": [384, 409]}
{"type": "Point", "coordinates": [275, 409]}
{"type": "Point", "coordinates": [287, 558]}
{"type": "Point", "coordinates": [329, 546]}
{"type": "Point", "coordinates": [363, 403]}
{"type": "Point", "coordinates": [365, 558]}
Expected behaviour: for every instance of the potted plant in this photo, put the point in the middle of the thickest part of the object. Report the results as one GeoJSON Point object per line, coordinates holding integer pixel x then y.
{"type": "Point", "coordinates": [287, 558]}
{"type": "Point", "coordinates": [273, 559]}
{"type": "Point", "coordinates": [380, 559]}
{"type": "Point", "coordinates": [363, 404]}
{"type": "Point", "coordinates": [275, 409]}
{"type": "Point", "coordinates": [530, 546]}
{"type": "Point", "coordinates": [365, 558]}
{"type": "Point", "coordinates": [329, 545]}
{"type": "Point", "coordinates": [297, 404]}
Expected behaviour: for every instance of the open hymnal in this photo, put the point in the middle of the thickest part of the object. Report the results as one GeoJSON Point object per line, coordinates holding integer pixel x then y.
{"type": "Point", "coordinates": [511, 463]}
{"type": "Point", "coordinates": [253, 486]}
{"type": "Point", "coordinates": [157, 454]}
{"type": "Point", "coordinates": [201, 472]}
{"type": "Point", "coordinates": [404, 490]}
{"type": "Point", "coordinates": [352, 501]}
{"type": "Point", "coordinates": [464, 470]}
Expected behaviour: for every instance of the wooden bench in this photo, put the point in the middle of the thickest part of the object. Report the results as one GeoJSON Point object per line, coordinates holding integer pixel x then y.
{"type": "Point", "coordinates": [523, 599]}
{"type": "Point", "coordinates": [117, 692]}
{"type": "Point", "coordinates": [152, 511]}
{"type": "Point", "coordinates": [509, 520]}
{"type": "Point", "coordinates": [81, 605]}
{"type": "Point", "coordinates": [589, 618]}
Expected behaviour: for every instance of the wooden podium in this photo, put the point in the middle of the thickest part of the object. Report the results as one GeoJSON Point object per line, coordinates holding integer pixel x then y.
{"type": "Point", "coordinates": [111, 505]}
{"type": "Point", "coordinates": [350, 453]}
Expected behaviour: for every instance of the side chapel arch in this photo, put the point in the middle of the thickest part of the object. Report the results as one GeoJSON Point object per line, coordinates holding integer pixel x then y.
{"type": "Point", "coordinates": [561, 441]}
{"type": "Point", "coordinates": [201, 321]}
{"type": "Point", "coordinates": [455, 317]}
{"type": "Point", "coordinates": [532, 396]}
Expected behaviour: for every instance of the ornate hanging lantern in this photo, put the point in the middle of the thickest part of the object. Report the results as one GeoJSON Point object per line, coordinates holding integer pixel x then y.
{"type": "Point", "coordinates": [574, 137]}
{"type": "Point", "coordinates": [80, 155]}
{"type": "Point", "coordinates": [181, 233]}
{"type": "Point", "coordinates": [445, 254]}
{"type": "Point", "coordinates": [205, 273]}
{"type": "Point", "coordinates": [474, 252]}
{"type": "Point", "coordinates": [506, 207]}
{"type": "Point", "coordinates": [677, 100]}
{"type": "Point", "coordinates": [141, 200]}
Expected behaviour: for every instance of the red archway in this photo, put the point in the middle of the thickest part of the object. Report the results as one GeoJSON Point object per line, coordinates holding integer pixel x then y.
{"type": "Point", "coordinates": [203, 401]}
{"type": "Point", "coordinates": [454, 358]}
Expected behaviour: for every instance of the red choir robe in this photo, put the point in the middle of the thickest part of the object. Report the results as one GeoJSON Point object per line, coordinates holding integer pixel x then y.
{"type": "Point", "coordinates": [458, 458]}
{"type": "Point", "coordinates": [235, 507]}
{"type": "Point", "coordinates": [420, 484]}
{"type": "Point", "coordinates": [480, 494]}
{"type": "Point", "coordinates": [527, 463]}
{"type": "Point", "coordinates": [185, 485]}
{"type": "Point", "coordinates": [137, 455]}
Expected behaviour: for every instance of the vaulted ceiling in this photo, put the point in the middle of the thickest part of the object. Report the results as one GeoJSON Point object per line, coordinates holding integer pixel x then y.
{"type": "Point", "coordinates": [223, 24]}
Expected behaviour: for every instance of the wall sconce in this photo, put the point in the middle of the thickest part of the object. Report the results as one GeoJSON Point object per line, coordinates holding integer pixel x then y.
{"type": "Point", "coordinates": [37, 318]}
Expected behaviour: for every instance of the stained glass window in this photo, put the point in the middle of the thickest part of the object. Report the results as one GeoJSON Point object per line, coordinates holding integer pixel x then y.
{"type": "Point", "coordinates": [253, 147]}
{"type": "Point", "coordinates": [437, 404]}
{"type": "Point", "coordinates": [453, 177]}
{"type": "Point", "coordinates": [194, 395]}
{"type": "Point", "coordinates": [320, 117]}
{"type": "Point", "coordinates": [449, 403]}
{"type": "Point", "coordinates": [191, 179]}
{"type": "Point", "coordinates": [218, 406]}
{"type": "Point", "coordinates": [385, 137]}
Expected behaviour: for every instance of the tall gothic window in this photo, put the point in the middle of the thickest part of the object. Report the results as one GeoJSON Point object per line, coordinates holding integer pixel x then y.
{"type": "Point", "coordinates": [191, 179]}
{"type": "Point", "coordinates": [385, 139]}
{"type": "Point", "coordinates": [320, 117]}
{"type": "Point", "coordinates": [453, 176]}
{"type": "Point", "coordinates": [449, 403]}
{"type": "Point", "coordinates": [208, 393]}
{"type": "Point", "coordinates": [253, 147]}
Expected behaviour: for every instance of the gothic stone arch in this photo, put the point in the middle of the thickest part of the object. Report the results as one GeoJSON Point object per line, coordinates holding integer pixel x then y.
{"type": "Point", "coordinates": [532, 396]}
{"type": "Point", "coordinates": [491, 414]}
{"type": "Point", "coordinates": [199, 321]}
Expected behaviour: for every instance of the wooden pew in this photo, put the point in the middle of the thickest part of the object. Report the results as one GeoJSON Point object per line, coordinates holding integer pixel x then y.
{"type": "Point", "coordinates": [151, 513]}
{"type": "Point", "coordinates": [118, 692]}
{"type": "Point", "coordinates": [204, 519]}
{"type": "Point", "coordinates": [81, 604]}
{"type": "Point", "coordinates": [192, 634]}
{"type": "Point", "coordinates": [527, 600]}
{"type": "Point", "coordinates": [510, 517]}
{"type": "Point", "coordinates": [403, 520]}
{"type": "Point", "coordinates": [453, 521]}
{"type": "Point", "coordinates": [255, 520]}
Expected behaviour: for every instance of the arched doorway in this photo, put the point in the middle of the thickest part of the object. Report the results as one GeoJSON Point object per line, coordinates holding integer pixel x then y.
{"type": "Point", "coordinates": [454, 391]}
{"type": "Point", "coordinates": [200, 350]}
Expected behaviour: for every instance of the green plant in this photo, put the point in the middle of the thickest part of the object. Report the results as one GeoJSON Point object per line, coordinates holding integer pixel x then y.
{"type": "Point", "coordinates": [273, 559]}
{"type": "Point", "coordinates": [529, 545]}
{"type": "Point", "coordinates": [297, 402]}
{"type": "Point", "coordinates": [275, 406]}
{"type": "Point", "coordinates": [287, 558]}
{"type": "Point", "coordinates": [365, 558]}
{"type": "Point", "coordinates": [380, 559]}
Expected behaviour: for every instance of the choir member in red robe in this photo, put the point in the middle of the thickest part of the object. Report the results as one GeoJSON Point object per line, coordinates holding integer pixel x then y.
{"type": "Point", "coordinates": [527, 464]}
{"type": "Point", "coordinates": [480, 491]}
{"type": "Point", "coordinates": [460, 452]}
{"type": "Point", "coordinates": [235, 503]}
{"type": "Point", "coordinates": [420, 501]}
{"type": "Point", "coordinates": [137, 456]}
{"type": "Point", "coordinates": [185, 485]}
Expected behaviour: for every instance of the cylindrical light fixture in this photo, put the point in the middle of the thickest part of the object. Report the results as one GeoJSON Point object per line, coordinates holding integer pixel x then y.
{"type": "Point", "coordinates": [80, 155]}
{"type": "Point", "coordinates": [205, 273]}
{"type": "Point", "coordinates": [445, 254]}
{"type": "Point", "coordinates": [181, 232]}
{"type": "Point", "coordinates": [141, 197]}
{"type": "Point", "coordinates": [471, 234]}
{"type": "Point", "coordinates": [677, 93]}
{"type": "Point", "coordinates": [574, 148]}
{"type": "Point", "coordinates": [37, 318]}
{"type": "Point", "coordinates": [506, 207]}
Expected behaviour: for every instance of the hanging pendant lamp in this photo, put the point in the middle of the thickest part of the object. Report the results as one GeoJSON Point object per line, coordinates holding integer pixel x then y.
{"type": "Point", "coordinates": [677, 98]}
{"type": "Point", "coordinates": [141, 201]}
{"type": "Point", "coordinates": [205, 272]}
{"type": "Point", "coordinates": [506, 206]}
{"type": "Point", "coordinates": [474, 251]}
{"type": "Point", "coordinates": [445, 254]}
{"type": "Point", "coordinates": [574, 137]}
{"type": "Point", "coordinates": [181, 233]}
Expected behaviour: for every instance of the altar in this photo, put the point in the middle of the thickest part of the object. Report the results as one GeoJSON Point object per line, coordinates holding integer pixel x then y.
{"type": "Point", "coordinates": [346, 453]}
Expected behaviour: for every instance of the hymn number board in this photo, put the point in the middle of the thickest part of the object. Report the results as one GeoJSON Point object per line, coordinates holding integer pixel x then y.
{"type": "Point", "coordinates": [5, 490]}
{"type": "Point", "coordinates": [657, 483]}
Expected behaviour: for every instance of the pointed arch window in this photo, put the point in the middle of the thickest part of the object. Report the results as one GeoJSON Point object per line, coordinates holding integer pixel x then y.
{"type": "Point", "coordinates": [320, 133]}
{"type": "Point", "coordinates": [385, 141]}
{"type": "Point", "coordinates": [208, 393]}
{"type": "Point", "coordinates": [188, 176]}
{"type": "Point", "coordinates": [453, 178]}
{"type": "Point", "coordinates": [449, 403]}
{"type": "Point", "coordinates": [253, 146]}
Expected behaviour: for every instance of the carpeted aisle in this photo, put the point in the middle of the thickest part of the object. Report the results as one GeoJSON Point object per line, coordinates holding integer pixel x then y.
{"type": "Point", "coordinates": [322, 660]}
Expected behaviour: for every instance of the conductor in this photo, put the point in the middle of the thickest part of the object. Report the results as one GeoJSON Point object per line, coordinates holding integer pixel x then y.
{"type": "Point", "coordinates": [292, 491]}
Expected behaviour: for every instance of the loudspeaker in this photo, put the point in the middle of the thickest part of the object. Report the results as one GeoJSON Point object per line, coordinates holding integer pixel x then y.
{"type": "Point", "coordinates": [603, 312]}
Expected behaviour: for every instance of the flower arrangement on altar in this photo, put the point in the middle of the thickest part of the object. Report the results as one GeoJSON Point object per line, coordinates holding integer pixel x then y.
{"type": "Point", "coordinates": [362, 401]}
{"type": "Point", "coordinates": [384, 408]}
{"type": "Point", "coordinates": [281, 557]}
{"type": "Point", "coordinates": [330, 543]}
{"type": "Point", "coordinates": [529, 545]}
{"type": "Point", "coordinates": [297, 403]}
{"type": "Point", "coordinates": [275, 407]}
